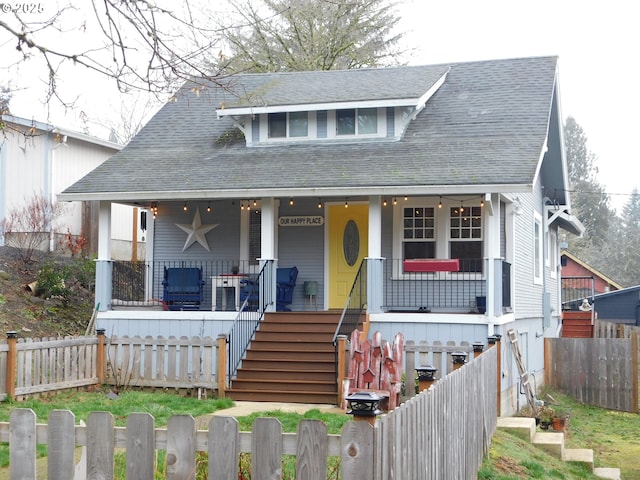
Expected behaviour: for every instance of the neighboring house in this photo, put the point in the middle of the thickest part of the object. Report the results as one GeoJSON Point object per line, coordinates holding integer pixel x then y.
{"type": "Point", "coordinates": [38, 159]}
{"type": "Point", "coordinates": [341, 172]}
{"type": "Point", "coordinates": [619, 306]}
{"type": "Point", "coordinates": [572, 266]}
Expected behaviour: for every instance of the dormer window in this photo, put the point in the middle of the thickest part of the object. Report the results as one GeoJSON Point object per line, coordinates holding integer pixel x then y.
{"type": "Point", "coordinates": [357, 121]}
{"type": "Point", "coordinates": [293, 124]}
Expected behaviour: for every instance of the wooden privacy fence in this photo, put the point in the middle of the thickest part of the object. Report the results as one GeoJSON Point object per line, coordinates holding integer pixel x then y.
{"type": "Point", "coordinates": [32, 366]}
{"type": "Point", "coordinates": [441, 433]}
{"type": "Point", "coordinates": [596, 371]}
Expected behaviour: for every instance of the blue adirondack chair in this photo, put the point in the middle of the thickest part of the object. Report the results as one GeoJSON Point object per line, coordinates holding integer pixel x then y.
{"type": "Point", "coordinates": [183, 288]}
{"type": "Point", "coordinates": [285, 281]}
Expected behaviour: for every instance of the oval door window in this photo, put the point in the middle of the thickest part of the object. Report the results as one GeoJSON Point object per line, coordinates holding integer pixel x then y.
{"type": "Point", "coordinates": [351, 243]}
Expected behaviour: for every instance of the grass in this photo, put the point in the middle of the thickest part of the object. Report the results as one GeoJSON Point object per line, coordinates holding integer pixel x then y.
{"type": "Point", "coordinates": [612, 435]}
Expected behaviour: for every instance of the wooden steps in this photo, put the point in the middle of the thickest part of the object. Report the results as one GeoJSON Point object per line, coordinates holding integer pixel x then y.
{"type": "Point", "coordinates": [291, 359]}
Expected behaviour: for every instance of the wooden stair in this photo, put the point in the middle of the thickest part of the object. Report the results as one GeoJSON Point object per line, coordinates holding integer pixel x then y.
{"type": "Point", "coordinates": [291, 359]}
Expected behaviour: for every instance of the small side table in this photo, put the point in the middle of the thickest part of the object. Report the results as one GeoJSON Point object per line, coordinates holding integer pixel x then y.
{"type": "Point", "coordinates": [311, 294]}
{"type": "Point", "coordinates": [224, 282]}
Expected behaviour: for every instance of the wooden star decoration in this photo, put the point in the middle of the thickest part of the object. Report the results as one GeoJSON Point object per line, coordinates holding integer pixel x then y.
{"type": "Point", "coordinates": [196, 232]}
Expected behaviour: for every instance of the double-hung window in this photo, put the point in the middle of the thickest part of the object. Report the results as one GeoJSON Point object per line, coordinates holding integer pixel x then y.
{"type": "Point", "coordinates": [419, 232]}
{"type": "Point", "coordinates": [288, 125]}
{"type": "Point", "coordinates": [357, 121]}
{"type": "Point", "coordinates": [465, 237]}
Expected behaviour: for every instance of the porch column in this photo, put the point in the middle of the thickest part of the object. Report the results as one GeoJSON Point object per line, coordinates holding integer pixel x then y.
{"type": "Point", "coordinates": [494, 261]}
{"type": "Point", "coordinates": [375, 262]}
{"type": "Point", "coordinates": [268, 248]}
{"type": "Point", "coordinates": [104, 266]}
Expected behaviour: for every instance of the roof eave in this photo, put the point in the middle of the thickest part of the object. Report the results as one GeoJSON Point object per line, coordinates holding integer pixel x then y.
{"type": "Point", "coordinates": [345, 192]}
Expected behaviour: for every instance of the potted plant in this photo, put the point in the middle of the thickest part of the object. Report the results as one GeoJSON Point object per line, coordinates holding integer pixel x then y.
{"type": "Point", "coordinates": [560, 418]}
{"type": "Point", "coordinates": [546, 415]}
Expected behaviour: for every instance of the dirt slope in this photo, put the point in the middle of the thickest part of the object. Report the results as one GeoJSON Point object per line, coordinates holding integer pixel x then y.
{"type": "Point", "coordinates": [35, 317]}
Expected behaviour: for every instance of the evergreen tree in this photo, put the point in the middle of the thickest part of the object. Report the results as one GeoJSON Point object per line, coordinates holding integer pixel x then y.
{"type": "Point", "coordinates": [299, 35]}
{"type": "Point", "coordinates": [628, 241]}
{"type": "Point", "coordinates": [589, 200]}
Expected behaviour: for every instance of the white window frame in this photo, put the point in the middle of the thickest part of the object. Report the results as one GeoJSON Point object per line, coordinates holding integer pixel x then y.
{"type": "Point", "coordinates": [442, 234]}
{"type": "Point", "coordinates": [381, 114]}
{"type": "Point", "coordinates": [537, 251]}
{"type": "Point", "coordinates": [312, 129]}
{"type": "Point", "coordinates": [552, 252]}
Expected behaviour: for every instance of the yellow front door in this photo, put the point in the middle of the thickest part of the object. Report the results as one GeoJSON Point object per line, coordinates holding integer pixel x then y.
{"type": "Point", "coordinates": [348, 241]}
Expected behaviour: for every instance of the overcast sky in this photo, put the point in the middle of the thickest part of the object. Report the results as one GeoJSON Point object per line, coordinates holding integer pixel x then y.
{"type": "Point", "coordinates": [597, 43]}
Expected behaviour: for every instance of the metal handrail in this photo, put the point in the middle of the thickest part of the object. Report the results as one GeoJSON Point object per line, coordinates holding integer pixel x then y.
{"type": "Point", "coordinates": [247, 321]}
{"type": "Point", "coordinates": [355, 305]}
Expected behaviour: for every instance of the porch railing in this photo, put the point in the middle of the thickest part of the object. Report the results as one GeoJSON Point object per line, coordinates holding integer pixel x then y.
{"type": "Point", "coordinates": [139, 284]}
{"type": "Point", "coordinates": [249, 318]}
{"type": "Point", "coordinates": [356, 303]}
{"type": "Point", "coordinates": [459, 291]}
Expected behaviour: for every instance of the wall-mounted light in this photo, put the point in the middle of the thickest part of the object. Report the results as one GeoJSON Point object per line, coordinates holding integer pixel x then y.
{"type": "Point", "coordinates": [154, 210]}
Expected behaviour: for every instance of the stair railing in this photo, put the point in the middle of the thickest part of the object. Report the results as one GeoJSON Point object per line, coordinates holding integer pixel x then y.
{"type": "Point", "coordinates": [248, 318]}
{"type": "Point", "coordinates": [356, 304]}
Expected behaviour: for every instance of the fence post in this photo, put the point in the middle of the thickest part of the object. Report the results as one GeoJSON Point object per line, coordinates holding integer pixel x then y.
{"type": "Point", "coordinates": [222, 365]}
{"type": "Point", "coordinates": [634, 371]}
{"type": "Point", "coordinates": [495, 340]}
{"type": "Point", "coordinates": [12, 341]}
{"type": "Point", "coordinates": [100, 353]}
{"type": "Point", "coordinates": [341, 367]}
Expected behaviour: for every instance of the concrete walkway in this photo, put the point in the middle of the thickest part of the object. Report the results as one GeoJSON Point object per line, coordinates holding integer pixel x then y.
{"type": "Point", "coordinates": [242, 409]}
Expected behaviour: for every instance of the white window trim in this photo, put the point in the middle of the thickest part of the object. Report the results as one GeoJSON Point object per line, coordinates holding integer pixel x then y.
{"type": "Point", "coordinates": [382, 126]}
{"type": "Point", "coordinates": [312, 130]}
{"type": "Point", "coordinates": [537, 248]}
{"type": "Point", "coordinates": [442, 234]}
{"type": "Point", "coordinates": [552, 252]}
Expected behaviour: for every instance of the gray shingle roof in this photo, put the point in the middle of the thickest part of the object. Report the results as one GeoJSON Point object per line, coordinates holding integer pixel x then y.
{"type": "Point", "coordinates": [487, 124]}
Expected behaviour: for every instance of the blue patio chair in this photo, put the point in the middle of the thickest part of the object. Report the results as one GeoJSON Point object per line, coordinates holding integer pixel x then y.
{"type": "Point", "coordinates": [285, 281]}
{"type": "Point", "coordinates": [183, 288]}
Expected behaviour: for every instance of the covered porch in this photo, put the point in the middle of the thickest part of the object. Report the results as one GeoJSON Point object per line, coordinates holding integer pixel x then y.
{"type": "Point", "coordinates": [331, 242]}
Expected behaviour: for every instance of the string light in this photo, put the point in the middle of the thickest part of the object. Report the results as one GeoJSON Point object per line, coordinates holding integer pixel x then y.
{"type": "Point", "coordinates": [291, 201]}
{"type": "Point", "coordinates": [384, 202]}
{"type": "Point", "coordinates": [395, 201]}
{"type": "Point", "coordinates": [440, 202]}
{"type": "Point", "coordinates": [209, 207]}
{"type": "Point", "coordinates": [184, 207]}
{"type": "Point", "coordinates": [346, 203]}
{"type": "Point", "coordinates": [319, 203]}
{"type": "Point", "coordinates": [255, 203]}
{"type": "Point", "coordinates": [406, 198]}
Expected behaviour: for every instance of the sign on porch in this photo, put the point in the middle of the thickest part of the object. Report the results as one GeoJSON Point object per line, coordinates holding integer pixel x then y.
{"type": "Point", "coordinates": [301, 221]}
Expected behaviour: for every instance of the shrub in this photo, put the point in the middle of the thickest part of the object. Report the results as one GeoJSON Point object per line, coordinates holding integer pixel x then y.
{"type": "Point", "coordinates": [51, 280]}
